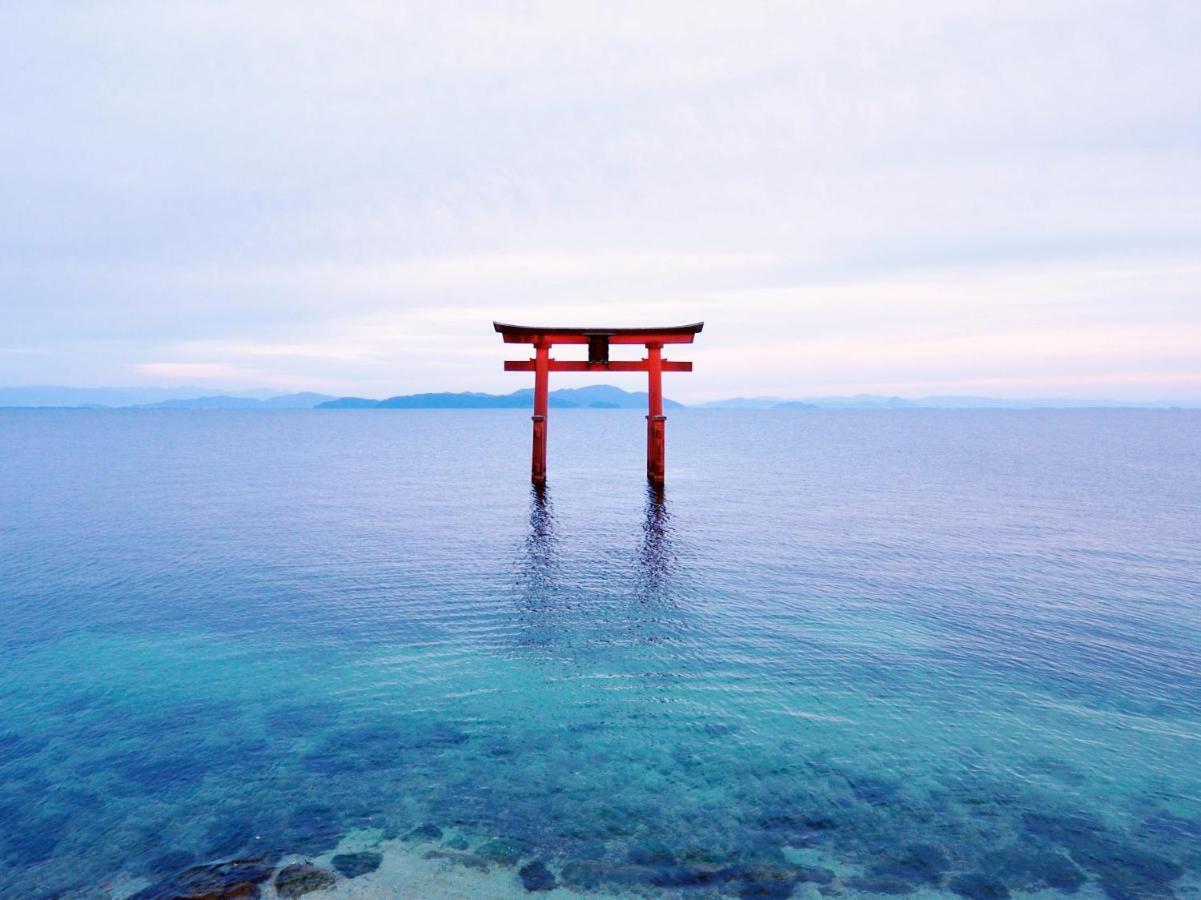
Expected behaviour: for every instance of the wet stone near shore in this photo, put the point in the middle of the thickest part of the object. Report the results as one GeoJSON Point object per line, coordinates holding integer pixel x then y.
{"type": "Point", "coordinates": [917, 863]}
{"type": "Point", "coordinates": [302, 878]}
{"type": "Point", "coordinates": [237, 878]}
{"type": "Point", "coordinates": [352, 865]}
{"type": "Point", "coordinates": [427, 832]}
{"type": "Point", "coordinates": [977, 886]}
{"type": "Point", "coordinates": [535, 876]}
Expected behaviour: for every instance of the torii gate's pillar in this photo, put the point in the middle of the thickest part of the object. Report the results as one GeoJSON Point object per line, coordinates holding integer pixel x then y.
{"type": "Point", "coordinates": [541, 402]}
{"type": "Point", "coordinates": [656, 422]}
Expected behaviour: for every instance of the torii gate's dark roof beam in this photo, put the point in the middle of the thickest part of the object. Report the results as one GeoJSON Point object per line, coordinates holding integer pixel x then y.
{"type": "Point", "coordinates": [546, 334]}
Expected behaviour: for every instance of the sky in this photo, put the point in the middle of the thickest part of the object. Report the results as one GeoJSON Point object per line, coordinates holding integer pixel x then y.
{"type": "Point", "coordinates": [855, 197]}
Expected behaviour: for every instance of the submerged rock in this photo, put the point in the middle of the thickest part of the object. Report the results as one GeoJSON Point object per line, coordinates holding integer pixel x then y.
{"type": "Point", "coordinates": [15, 746]}
{"type": "Point", "coordinates": [705, 856]}
{"type": "Point", "coordinates": [765, 880]}
{"type": "Point", "coordinates": [1125, 870]}
{"type": "Point", "coordinates": [1065, 830]}
{"type": "Point", "coordinates": [302, 878]}
{"type": "Point", "coordinates": [1032, 868]}
{"type": "Point", "coordinates": [1168, 827]}
{"type": "Point", "coordinates": [352, 865]}
{"type": "Point", "coordinates": [456, 843]}
{"type": "Point", "coordinates": [503, 851]}
{"type": "Point", "coordinates": [1057, 871]}
{"type": "Point", "coordinates": [881, 885]}
{"type": "Point", "coordinates": [1120, 883]}
{"type": "Point", "coordinates": [920, 863]}
{"type": "Point", "coordinates": [171, 861]}
{"type": "Point", "coordinates": [232, 880]}
{"type": "Point", "coordinates": [873, 790]}
{"type": "Point", "coordinates": [651, 853]}
{"type": "Point", "coordinates": [442, 734]}
{"type": "Point", "coordinates": [689, 876]}
{"type": "Point", "coordinates": [536, 876]}
{"type": "Point", "coordinates": [979, 886]}
{"type": "Point", "coordinates": [1135, 864]}
{"type": "Point", "coordinates": [750, 889]}
{"type": "Point", "coordinates": [816, 874]}
{"type": "Point", "coordinates": [1055, 768]}
{"type": "Point", "coordinates": [426, 832]}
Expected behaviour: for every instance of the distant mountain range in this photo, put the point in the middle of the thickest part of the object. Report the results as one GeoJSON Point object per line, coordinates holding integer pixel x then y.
{"type": "Point", "coordinates": [283, 401]}
{"type": "Point", "coordinates": [597, 396]}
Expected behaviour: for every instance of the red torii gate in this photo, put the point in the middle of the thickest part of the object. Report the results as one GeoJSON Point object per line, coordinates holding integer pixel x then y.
{"type": "Point", "coordinates": [598, 341]}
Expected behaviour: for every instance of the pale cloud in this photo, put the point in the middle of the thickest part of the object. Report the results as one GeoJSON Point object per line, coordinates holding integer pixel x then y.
{"type": "Point", "coordinates": [1130, 386]}
{"type": "Point", "coordinates": [482, 271]}
{"type": "Point", "coordinates": [297, 352]}
{"type": "Point", "coordinates": [951, 330]}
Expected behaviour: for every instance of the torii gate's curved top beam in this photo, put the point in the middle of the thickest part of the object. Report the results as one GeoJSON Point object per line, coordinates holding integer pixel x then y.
{"type": "Point", "coordinates": [537, 334]}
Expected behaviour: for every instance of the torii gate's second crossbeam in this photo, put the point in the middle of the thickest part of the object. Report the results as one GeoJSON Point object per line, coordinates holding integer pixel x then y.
{"type": "Point", "coordinates": [599, 341]}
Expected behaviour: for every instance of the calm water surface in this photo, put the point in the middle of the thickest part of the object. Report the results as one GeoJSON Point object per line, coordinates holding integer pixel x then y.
{"type": "Point", "coordinates": [844, 653]}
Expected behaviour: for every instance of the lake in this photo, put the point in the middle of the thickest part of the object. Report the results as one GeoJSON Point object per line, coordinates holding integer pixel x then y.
{"type": "Point", "coordinates": [843, 653]}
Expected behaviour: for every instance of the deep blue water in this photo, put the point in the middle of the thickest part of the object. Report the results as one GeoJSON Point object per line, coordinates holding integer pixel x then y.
{"type": "Point", "coordinates": [846, 652]}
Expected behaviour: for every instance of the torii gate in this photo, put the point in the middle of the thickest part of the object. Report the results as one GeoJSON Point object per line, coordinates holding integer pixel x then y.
{"type": "Point", "coordinates": [598, 341]}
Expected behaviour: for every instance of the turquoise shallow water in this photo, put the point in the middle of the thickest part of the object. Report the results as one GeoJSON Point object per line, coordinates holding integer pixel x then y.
{"type": "Point", "coordinates": [843, 653]}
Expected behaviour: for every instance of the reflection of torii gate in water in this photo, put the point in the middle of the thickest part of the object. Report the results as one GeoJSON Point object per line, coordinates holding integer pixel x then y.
{"type": "Point", "coordinates": [598, 341]}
